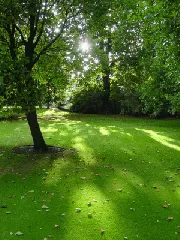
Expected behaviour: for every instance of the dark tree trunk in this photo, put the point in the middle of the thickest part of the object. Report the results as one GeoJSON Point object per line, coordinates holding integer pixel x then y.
{"type": "Point", "coordinates": [106, 87]}
{"type": "Point", "coordinates": [106, 49]}
{"type": "Point", "coordinates": [39, 143]}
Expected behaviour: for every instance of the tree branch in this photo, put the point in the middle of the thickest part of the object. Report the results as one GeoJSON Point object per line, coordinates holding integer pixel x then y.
{"type": "Point", "coordinates": [42, 26]}
{"type": "Point", "coordinates": [12, 41]}
{"type": "Point", "coordinates": [32, 29]}
{"type": "Point", "coordinates": [44, 50]}
{"type": "Point", "coordinates": [44, 19]}
{"type": "Point", "coordinates": [20, 32]}
{"type": "Point", "coordinates": [38, 15]}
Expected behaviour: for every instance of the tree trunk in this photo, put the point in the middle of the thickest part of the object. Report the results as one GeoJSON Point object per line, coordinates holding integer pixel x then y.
{"type": "Point", "coordinates": [106, 50]}
{"type": "Point", "coordinates": [39, 143]}
{"type": "Point", "coordinates": [106, 87]}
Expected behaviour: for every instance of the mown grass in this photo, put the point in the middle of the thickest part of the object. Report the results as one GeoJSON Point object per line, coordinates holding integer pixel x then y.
{"type": "Point", "coordinates": [127, 169]}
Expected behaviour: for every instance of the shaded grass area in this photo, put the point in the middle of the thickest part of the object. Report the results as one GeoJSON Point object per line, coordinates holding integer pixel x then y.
{"type": "Point", "coordinates": [123, 176]}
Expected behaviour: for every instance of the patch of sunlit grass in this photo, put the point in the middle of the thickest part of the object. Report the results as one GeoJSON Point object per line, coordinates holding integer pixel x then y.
{"type": "Point", "coordinates": [167, 141]}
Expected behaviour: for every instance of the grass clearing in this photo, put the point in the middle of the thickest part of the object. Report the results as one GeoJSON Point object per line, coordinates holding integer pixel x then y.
{"type": "Point", "coordinates": [122, 178]}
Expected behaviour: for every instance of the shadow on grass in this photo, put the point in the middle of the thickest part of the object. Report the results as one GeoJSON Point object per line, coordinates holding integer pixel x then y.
{"type": "Point", "coordinates": [126, 175]}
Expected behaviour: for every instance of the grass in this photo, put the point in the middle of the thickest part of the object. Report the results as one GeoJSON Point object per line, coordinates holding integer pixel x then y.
{"type": "Point", "coordinates": [127, 169]}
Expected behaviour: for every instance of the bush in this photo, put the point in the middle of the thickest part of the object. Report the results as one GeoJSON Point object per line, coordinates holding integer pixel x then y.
{"type": "Point", "coordinates": [87, 99]}
{"type": "Point", "coordinates": [10, 112]}
{"type": "Point", "coordinates": [125, 100]}
{"type": "Point", "coordinates": [160, 97]}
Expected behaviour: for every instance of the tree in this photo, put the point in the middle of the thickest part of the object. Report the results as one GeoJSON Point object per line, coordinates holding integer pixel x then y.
{"type": "Point", "coordinates": [137, 45]}
{"type": "Point", "coordinates": [115, 48]}
{"type": "Point", "coordinates": [160, 57]}
{"type": "Point", "coordinates": [29, 29]}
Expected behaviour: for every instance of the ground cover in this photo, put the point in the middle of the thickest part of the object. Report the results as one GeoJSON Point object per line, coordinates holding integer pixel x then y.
{"type": "Point", "coordinates": [117, 179]}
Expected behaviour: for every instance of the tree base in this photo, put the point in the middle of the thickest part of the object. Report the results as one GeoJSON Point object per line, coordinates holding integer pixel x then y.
{"type": "Point", "coordinates": [29, 149]}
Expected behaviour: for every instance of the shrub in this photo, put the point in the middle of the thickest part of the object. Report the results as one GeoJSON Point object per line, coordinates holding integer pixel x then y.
{"type": "Point", "coordinates": [87, 99]}
{"type": "Point", "coordinates": [125, 100]}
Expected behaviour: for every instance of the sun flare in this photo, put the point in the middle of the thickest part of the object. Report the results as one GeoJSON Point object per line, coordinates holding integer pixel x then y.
{"type": "Point", "coordinates": [84, 46]}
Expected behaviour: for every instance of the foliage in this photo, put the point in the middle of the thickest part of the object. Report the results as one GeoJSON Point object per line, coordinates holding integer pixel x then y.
{"type": "Point", "coordinates": [137, 59]}
{"type": "Point", "coordinates": [29, 30]}
{"type": "Point", "coordinates": [133, 55]}
{"type": "Point", "coordinates": [125, 100]}
{"type": "Point", "coordinates": [10, 112]}
{"type": "Point", "coordinates": [87, 99]}
{"type": "Point", "coordinates": [160, 58]}
{"type": "Point", "coordinates": [28, 44]}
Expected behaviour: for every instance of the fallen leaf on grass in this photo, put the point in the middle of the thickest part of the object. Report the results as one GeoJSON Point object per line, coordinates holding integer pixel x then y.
{"type": "Point", "coordinates": [12, 196]}
{"type": "Point", "coordinates": [78, 210]}
{"type": "Point", "coordinates": [44, 207]}
{"type": "Point", "coordinates": [132, 209]}
{"type": "Point", "coordinates": [56, 226]}
{"type": "Point", "coordinates": [119, 190]}
{"type": "Point", "coordinates": [102, 231]}
{"type": "Point", "coordinates": [165, 206]}
{"type": "Point", "coordinates": [19, 233]}
{"type": "Point", "coordinates": [31, 191]}
{"type": "Point", "coordinates": [142, 185]}
{"type": "Point", "coordinates": [107, 166]}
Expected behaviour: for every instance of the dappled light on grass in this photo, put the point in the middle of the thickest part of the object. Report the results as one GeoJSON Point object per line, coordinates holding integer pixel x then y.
{"type": "Point", "coordinates": [85, 152]}
{"type": "Point", "coordinates": [112, 181]}
{"type": "Point", "coordinates": [167, 141]}
{"type": "Point", "coordinates": [49, 129]}
{"type": "Point", "coordinates": [52, 113]}
{"type": "Point", "coordinates": [96, 213]}
{"type": "Point", "coordinates": [104, 131]}
{"type": "Point", "coordinates": [13, 133]}
{"type": "Point", "coordinates": [118, 130]}
{"type": "Point", "coordinates": [55, 175]}
{"type": "Point", "coordinates": [49, 112]}
{"type": "Point", "coordinates": [136, 184]}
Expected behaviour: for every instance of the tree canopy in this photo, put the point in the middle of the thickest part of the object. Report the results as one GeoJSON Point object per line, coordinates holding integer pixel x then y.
{"type": "Point", "coordinates": [132, 66]}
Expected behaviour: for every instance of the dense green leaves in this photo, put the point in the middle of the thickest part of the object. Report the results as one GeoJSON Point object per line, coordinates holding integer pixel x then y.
{"type": "Point", "coordinates": [134, 53]}
{"type": "Point", "coordinates": [136, 46]}
{"type": "Point", "coordinates": [30, 29]}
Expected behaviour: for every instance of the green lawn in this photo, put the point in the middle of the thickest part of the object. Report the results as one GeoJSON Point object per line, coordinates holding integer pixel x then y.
{"type": "Point", "coordinates": [117, 179]}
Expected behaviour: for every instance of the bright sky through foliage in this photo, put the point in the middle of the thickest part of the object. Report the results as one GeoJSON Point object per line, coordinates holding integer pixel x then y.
{"type": "Point", "coordinates": [84, 46]}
